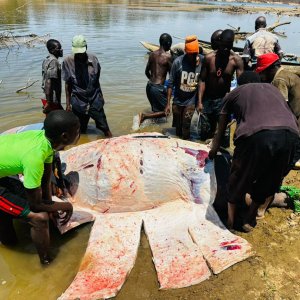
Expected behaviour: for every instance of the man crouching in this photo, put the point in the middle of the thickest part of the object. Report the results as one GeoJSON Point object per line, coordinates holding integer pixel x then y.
{"type": "Point", "coordinates": [31, 153]}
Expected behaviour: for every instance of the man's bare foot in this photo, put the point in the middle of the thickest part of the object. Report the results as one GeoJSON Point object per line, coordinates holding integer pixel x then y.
{"type": "Point", "coordinates": [247, 228]}
{"type": "Point", "coordinates": [263, 207]}
{"type": "Point", "coordinates": [141, 118]}
{"type": "Point", "coordinates": [248, 199]}
{"type": "Point", "coordinates": [108, 134]}
{"type": "Point", "coordinates": [281, 200]}
{"type": "Point", "coordinates": [260, 213]}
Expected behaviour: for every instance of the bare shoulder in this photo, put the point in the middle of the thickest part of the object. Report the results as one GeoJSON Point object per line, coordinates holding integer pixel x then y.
{"type": "Point", "coordinates": [236, 57]}
{"type": "Point", "coordinates": [210, 55]}
{"type": "Point", "coordinates": [167, 55]}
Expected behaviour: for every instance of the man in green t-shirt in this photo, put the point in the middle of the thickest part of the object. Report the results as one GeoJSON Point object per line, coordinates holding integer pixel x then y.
{"type": "Point", "coordinates": [31, 153]}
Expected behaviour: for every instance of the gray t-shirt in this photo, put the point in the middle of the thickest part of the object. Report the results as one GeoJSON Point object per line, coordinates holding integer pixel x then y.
{"type": "Point", "coordinates": [256, 107]}
{"type": "Point", "coordinates": [84, 80]}
{"type": "Point", "coordinates": [184, 77]}
{"type": "Point", "coordinates": [51, 69]}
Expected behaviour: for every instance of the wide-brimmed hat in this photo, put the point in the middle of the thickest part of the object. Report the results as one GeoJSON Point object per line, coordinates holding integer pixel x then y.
{"type": "Point", "coordinates": [191, 44]}
{"type": "Point", "coordinates": [265, 60]}
{"type": "Point", "coordinates": [79, 44]}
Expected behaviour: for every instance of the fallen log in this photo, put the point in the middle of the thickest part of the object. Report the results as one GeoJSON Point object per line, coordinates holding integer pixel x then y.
{"type": "Point", "coordinates": [8, 39]}
{"type": "Point", "coordinates": [243, 34]}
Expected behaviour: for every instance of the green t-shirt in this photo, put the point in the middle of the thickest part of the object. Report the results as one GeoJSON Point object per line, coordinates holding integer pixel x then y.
{"type": "Point", "coordinates": [25, 153]}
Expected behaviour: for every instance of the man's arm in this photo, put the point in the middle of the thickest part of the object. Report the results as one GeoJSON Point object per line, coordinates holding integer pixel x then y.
{"type": "Point", "coordinates": [68, 90]}
{"type": "Point", "coordinates": [168, 106]}
{"type": "Point", "coordinates": [40, 199]}
{"type": "Point", "coordinates": [201, 90]}
{"type": "Point", "coordinates": [68, 85]}
{"type": "Point", "coordinates": [170, 88]}
{"type": "Point", "coordinates": [278, 50]}
{"type": "Point", "coordinates": [201, 87]}
{"type": "Point", "coordinates": [147, 70]}
{"type": "Point", "coordinates": [247, 48]}
{"type": "Point", "coordinates": [34, 197]}
{"type": "Point", "coordinates": [239, 66]}
{"type": "Point", "coordinates": [46, 183]}
{"type": "Point", "coordinates": [223, 120]}
{"type": "Point", "coordinates": [49, 90]}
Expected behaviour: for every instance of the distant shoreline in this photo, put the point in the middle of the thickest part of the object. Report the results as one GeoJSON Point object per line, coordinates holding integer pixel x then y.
{"type": "Point", "coordinates": [292, 10]}
{"type": "Point", "coordinates": [287, 2]}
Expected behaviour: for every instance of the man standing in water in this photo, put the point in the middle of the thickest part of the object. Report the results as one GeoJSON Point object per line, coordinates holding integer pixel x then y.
{"type": "Point", "coordinates": [216, 75]}
{"type": "Point", "coordinates": [31, 153]}
{"type": "Point", "coordinates": [184, 77]}
{"type": "Point", "coordinates": [51, 71]}
{"type": "Point", "coordinates": [158, 66]}
{"type": "Point", "coordinates": [81, 73]}
{"type": "Point", "coordinates": [262, 41]}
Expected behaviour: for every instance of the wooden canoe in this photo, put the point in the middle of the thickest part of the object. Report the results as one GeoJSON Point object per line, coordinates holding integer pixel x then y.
{"type": "Point", "coordinates": [288, 60]}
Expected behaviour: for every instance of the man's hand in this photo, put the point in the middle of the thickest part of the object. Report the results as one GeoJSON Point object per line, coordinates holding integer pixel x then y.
{"type": "Point", "coordinates": [66, 209]}
{"type": "Point", "coordinates": [199, 108]}
{"type": "Point", "coordinates": [167, 110]}
{"type": "Point", "coordinates": [68, 108]}
{"type": "Point", "coordinates": [212, 153]}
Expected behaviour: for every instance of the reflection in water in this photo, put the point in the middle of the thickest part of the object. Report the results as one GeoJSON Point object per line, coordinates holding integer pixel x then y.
{"type": "Point", "coordinates": [113, 31]}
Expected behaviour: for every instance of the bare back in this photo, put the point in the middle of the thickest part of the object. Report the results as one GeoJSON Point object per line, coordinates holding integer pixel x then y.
{"type": "Point", "coordinates": [218, 73]}
{"type": "Point", "coordinates": [158, 66]}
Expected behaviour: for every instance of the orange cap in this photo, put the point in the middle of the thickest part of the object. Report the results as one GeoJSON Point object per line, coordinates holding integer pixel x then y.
{"type": "Point", "coordinates": [191, 44]}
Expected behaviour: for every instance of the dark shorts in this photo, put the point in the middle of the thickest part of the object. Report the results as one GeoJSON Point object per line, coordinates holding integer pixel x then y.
{"type": "Point", "coordinates": [12, 198]}
{"type": "Point", "coordinates": [260, 163]}
{"type": "Point", "coordinates": [157, 96]}
{"type": "Point", "coordinates": [212, 110]}
{"type": "Point", "coordinates": [182, 117]}
{"type": "Point", "coordinates": [97, 114]}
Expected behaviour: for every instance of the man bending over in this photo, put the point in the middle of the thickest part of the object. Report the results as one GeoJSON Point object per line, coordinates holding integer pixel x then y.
{"type": "Point", "coordinates": [31, 153]}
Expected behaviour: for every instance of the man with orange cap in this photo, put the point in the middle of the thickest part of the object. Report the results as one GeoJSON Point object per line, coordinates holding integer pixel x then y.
{"type": "Point", "coordinates": [269, 69]}
{"type": "Point", "coordinates": [184, 77]}
{"type": "Point", "coordinates": [216, 75]}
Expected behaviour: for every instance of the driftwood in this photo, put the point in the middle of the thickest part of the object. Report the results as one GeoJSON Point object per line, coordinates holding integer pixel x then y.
{"type": "Point", "coordinates": [9, 40]}
{"type": "Point", "coordinates": [243, 34]}
{"type": "Point", "coordinates": [27, 86]}
{"type": "Point", "coordinates": [277, 24]}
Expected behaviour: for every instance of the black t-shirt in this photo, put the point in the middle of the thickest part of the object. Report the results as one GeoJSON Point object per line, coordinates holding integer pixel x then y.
{"type": "Point", "coordinates": [184, 77]}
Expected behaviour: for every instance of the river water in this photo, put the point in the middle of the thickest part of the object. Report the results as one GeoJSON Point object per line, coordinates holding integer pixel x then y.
{"type": "Point", "coordinates": [113, 30]}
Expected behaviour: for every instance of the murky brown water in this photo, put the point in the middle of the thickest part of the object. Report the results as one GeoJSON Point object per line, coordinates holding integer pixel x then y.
{"type": "Point", "coordinates": [113, 31]}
